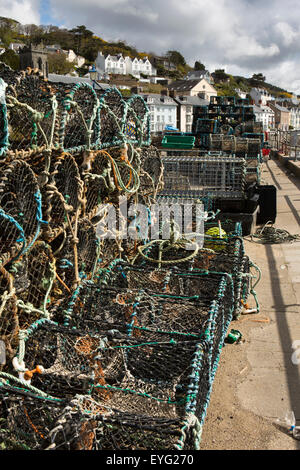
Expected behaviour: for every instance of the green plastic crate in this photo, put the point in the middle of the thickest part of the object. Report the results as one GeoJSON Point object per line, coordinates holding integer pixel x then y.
{"type": "Point", "coordinates": [178, 141]}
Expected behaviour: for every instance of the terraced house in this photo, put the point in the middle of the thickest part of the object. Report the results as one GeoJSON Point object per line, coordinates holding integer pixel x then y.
{"type": "Point", "coordinates": [119, 65]}
{"type": "Point", "coordinates": [163, 111]}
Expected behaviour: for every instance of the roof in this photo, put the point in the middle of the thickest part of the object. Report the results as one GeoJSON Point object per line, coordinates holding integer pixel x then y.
{"type": "Point", "coordinates": [192, 101]}
{"type": "Point", "coordinates": [157, 99]}
{"type": "Point", "coordinates": [183, 85]}
{"type": "Point", "coordinates": [53, 77]}
{"type": "Point", "coordinates": [280, 108]}
{"type": "Point", "coordinates": [198, 73]}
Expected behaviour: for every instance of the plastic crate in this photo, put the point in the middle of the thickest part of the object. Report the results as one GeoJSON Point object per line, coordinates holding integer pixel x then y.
{"type": "Point", "coordinates": [178, 142]}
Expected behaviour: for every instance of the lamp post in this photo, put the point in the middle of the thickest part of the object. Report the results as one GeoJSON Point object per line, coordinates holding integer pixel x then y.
{"type": "Point", "coordinates": [93, 75]}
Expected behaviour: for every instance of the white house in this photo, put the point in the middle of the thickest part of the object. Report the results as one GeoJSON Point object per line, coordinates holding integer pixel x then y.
{"type": "Point", "coordinates": [242, 94]}
{"type": "Point", "coordinates": [295, 118]}
{"type": "Point", "coordinates": [163, 111]}
{"type": "Point", "coordinates": [200, 88]}
{"type": "Point", "coordinates": [265, 115]}
{"type": "Point", "coordinates": [15, 46]}
{"type": "Point", "coordinates": [72, 57]}
{"type": "Point", "coordinates": [119, 65]}
{"type": "Point", "coordinates": [261, 96]}
{"type": "Point", "coordinates": [70, 54]}
{"type": "Point", "coordinates": [199, 75]}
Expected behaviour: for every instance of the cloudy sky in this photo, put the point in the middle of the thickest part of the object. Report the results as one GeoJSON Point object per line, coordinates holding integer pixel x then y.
{"type": "Point", "coordinates": [242, 36]}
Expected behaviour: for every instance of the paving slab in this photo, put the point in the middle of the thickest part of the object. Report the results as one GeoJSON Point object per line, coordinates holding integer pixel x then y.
{"type": "Point", "coordinates": [258, 381]}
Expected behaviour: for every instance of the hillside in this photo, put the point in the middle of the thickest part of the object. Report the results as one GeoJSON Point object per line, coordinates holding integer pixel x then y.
{"type": "Point", "coordinates": [231, 83]}
{"type": "Point", "coordinates": [86, 44]}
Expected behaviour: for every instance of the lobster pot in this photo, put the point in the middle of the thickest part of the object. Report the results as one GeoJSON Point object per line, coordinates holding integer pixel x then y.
{"type": "Point", "coordinates": [253, 127]}
{"type": "Point", "coordinates": [66, 356]}
{"type": "Point", "coordinates": [107, 430]}
{"type": "Point", "coordinates": [254, 148]}
{"type": "Point", "coordinates": [205, 176]}
{"type": "Point", "coordinates": [130, 309]}
{"type": "Point", "coordinates": [217, 100]}
{"type": "Point", "coordinates": [241, 147]}
{"type": "Point", "coordinates": [228, 143]}
{"type": "Point", "coordinates": [26, 420]}
{"type": "Point", "coordinates": [229, 100]}
{"type": "Point", "coordinates": [147, 374]}
{"type": "Point", "coordinates": [205, 126]}
{"type": "Point", "coordinates": [252, 174]}
{"type": "Point", "coordinates": [252, 163]}
{"type": "Point", "coordinates": [96, 309]}
{"type": "Point", "coordinates": [9, 320]}
{"type": "Point", "coordinates": [216, 141]}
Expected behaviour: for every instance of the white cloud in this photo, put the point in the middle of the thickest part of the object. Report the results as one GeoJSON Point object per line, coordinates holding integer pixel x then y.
{"type": "Point", "coordinates": [288, 34]}
{"type": "Point", "coordinates": [24, 11]}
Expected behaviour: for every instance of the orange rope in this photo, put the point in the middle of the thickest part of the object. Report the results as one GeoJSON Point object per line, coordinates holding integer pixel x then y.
{"type": "Point", "coordinates": [115, 175]}
{"type": "Point", "coordinates": [32, 425]}
{"type": "Point", "coordinates": [62, 282]}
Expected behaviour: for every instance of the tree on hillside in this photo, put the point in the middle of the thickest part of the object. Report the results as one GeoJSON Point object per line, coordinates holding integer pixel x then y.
{"type": "Point", "coordinates": [82, 35]}
{"type": "Point", "coordinates": [82, 31]}
{"type": "Point", "coordinates": [175, 58]}
{"type": "Point", "coordinates": [259, 77]}
{"type": "Point", "coordinates": [58, 64]}
{"type": "Point", "coordinates": [220, 75]}
{"type": "Point", "coordinates": [6, 36]}
{"type": "Point", "coordinates": [199, 66]}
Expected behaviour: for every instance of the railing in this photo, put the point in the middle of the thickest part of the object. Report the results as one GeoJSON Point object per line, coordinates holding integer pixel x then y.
{"type": "Point", "coordinates": [282, 142]}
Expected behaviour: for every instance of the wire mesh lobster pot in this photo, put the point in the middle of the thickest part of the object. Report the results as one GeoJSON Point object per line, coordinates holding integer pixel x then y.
{"type": "Point", "coordinates": [254, 148]}
{"type": "Point", "coordinates": [241, 147]}
{"type": "Point", "coordinates": [206, 126]}
{"type": "Point", "coordinates": [215, 142]}
{"type": "Point", "coordinates": [253, 174]}
{"type": "Point", "coordinates": [229, 143]}
{"type": "Point", "coordinates": [205, 176]}
{"type": "Point", "coordinates": [253, 127]}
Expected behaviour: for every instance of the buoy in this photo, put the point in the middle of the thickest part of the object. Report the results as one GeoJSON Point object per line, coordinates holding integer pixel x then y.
{"type": "Point", "coordinates": [219, 238]}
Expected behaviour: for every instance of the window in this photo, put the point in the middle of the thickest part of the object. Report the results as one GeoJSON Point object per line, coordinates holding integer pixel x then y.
{"type": "Point", "coordinates": [188, 118]}
{"type": "Point", "coordinates": [152, 117]}
{"type": "Point", "coordinates": [158, 118]}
